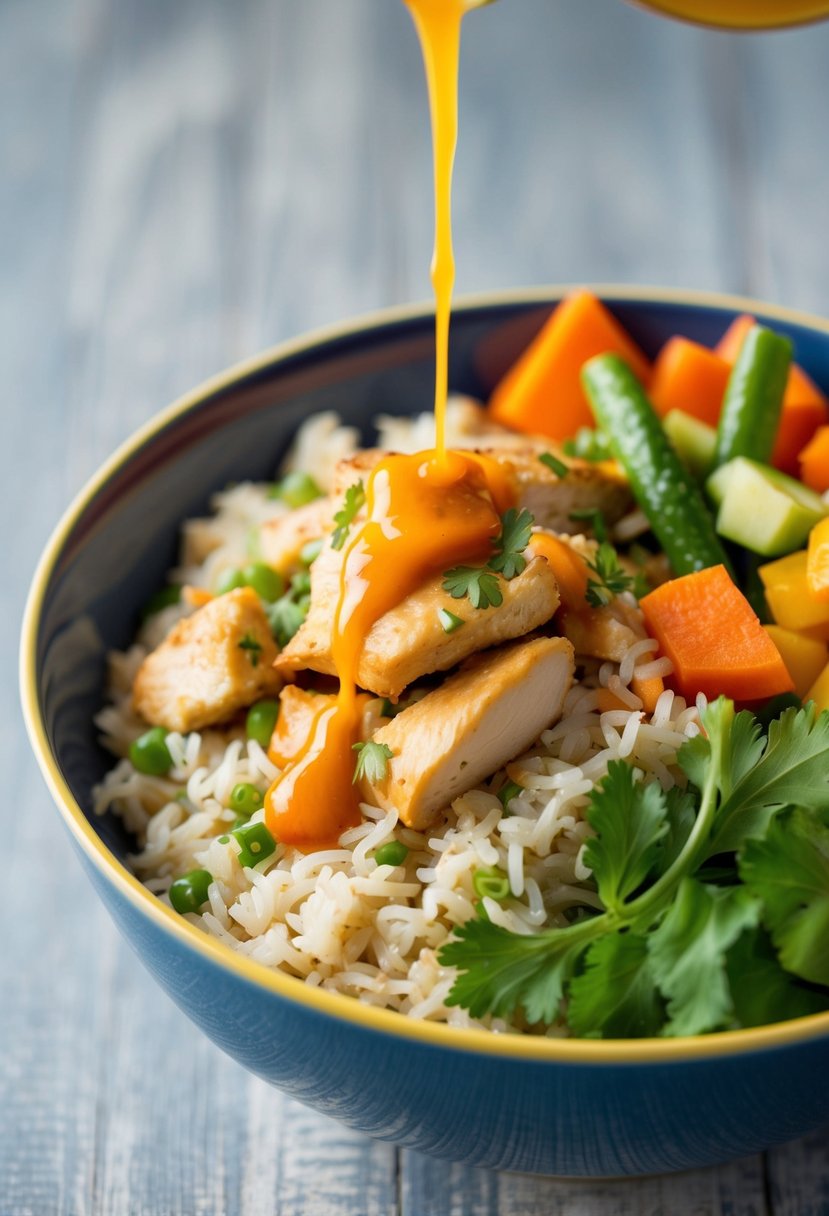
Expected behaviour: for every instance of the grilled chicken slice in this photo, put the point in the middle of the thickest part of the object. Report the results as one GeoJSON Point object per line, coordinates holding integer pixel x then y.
{"type": "Point", "coordinates": [602, 633]}
{"type": "Point", "coordinates": [211, 664]}
{"type": "Point", "coordinates": [281, 539]}
{"type": "Point", "coordinates": [482, 717]}
{"type": "Point", "coordinates": [409, 641]}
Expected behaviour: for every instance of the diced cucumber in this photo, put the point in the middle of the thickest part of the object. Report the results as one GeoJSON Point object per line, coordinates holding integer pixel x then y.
{"type": "Point", "coordinates": [763, 509]}
{"type": "Point", "coordinates": [693, 441]}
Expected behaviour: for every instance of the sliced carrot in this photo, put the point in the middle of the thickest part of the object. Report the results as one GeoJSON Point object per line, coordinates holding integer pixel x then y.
{"type": "Point", "coordinates": [817, 562]}
{"type": "Point", "coordinates": [569, 568]}
{"type": "Point", "coordinates": [805, 407]}
{"type": "Point", "coordinates": [542, 393]}
{"type": "Point", "coordinates": [814, 461]}
{"type": "Point", "coordinates": [648, 690]}
{"type": "Point", "coordinates": [708, 630]}
{"type": "Point", "coordinates": [689, 377]}
{"type": "Point", "coordinates": [607, 700]}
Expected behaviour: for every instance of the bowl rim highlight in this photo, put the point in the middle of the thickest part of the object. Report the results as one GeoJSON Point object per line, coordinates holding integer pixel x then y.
{"type": "Point", "coordinates": [290, 988]}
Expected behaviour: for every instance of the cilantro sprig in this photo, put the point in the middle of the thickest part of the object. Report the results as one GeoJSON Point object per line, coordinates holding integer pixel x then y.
{"type": "Point", "coordinates": [355, 497]}
{"type": "Point", "coordinates": [716, 898]}
{"type": "Point", "coordinates": [253, 647]}
{"type": "Point", "coordinates": [609, 579]}
{"type": "Point", "coordinates": [372, 760]}
{"type": "Point", "coordinates": [480, 584]}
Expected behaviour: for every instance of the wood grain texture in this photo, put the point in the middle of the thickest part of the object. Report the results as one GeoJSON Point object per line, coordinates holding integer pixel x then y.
{"type": "Point", "coordinates": [183, 184]}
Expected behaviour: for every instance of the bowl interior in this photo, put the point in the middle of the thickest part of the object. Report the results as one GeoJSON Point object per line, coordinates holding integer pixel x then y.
{"type": "Point", "coordinates": [118, 541]}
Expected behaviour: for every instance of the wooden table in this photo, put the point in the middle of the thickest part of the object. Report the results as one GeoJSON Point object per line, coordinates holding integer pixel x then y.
{"type": "Point", "coordinates": [182, 184]}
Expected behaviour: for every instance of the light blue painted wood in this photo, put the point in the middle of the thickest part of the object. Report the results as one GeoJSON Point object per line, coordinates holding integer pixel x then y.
{"type": "Point", "coordinates": [183, 184]}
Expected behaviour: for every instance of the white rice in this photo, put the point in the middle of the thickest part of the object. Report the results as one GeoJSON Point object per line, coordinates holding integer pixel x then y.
{"type": "Point", "coordinates": [335, 918]}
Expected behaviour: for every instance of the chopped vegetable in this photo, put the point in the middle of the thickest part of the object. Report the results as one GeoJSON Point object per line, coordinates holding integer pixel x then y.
{"type": "Point", "coordinates": [507, 792]}
{"type": "Point", "coordinates": [763, 509]}
{"type": "Point", "coordinates": [693, 441]}
{"type": "Point", "coordinates": [310, 551]}
{"type": "Point", "coordinates": [542, 392]}
{"type": "Point", "coordinates": [261, 720]}
{"type": "Point", "coordinates": [819, 692]}
{"type": "Point", "coordinates": [648, 689]}
{"type": "Point", "coordinates": [491, 883]}
{"type": "Point", "coordinates": [149, 753]}
{"type": "Point", "coordinates": [664, 489]}
{"type": "Point", "coordinates": [245, 798]}
{"type": "Point", "coordinates": [814, 461]}
{"type": "Point", "coordinates": [355, 497]}
{"type": "Point", "coordinates": [231, 580]}
{"type": "Point", "coordinates": [709, 631]}
{"type": "Point", "coordinates": [610, 579]}
{"type": "Point", "coordinates": [188, 893]}
{"type": "Point", "coordinates": [449, 621]}
{"type": "Point", "coordinates": [516, 529]}
{"type": "Point", "coordinates": [255, 843]}
{"type": "Point", "coordinates": [568, 566]}
{"type": "Point", "coordinates": [817, 561]}
{"type": "Point", "coordinates": [690, 378]}
{"type": "Point", "coordinates": [805, 657]}
{"type": "Point", "coordinates": [265, 581]}
{"type": "Point", "coordinates": [588, 444]}
{"type": "Point", "coordinates": [753, 401]}
{"type": "Point", "coordinates": [595, 518]}
{"type": "Point", "coordinates": [394, 853]}
{"type": "Point", "coordinates": [787, 591]}
{"type": "Point", "coordinates": [478, 583]}
{"type": "Point", "coordinates": [372, 761]}
{"type": "Point", "coordinates": [554, 464]}
{"type": "Point", "coordinates": [285, 618]}
{"type": "Point", "coordinates": [296, 489]}
{"type": "Point", "coordinates": [253, 648]}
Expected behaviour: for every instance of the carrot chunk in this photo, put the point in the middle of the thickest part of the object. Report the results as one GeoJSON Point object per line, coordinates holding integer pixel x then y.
{"type": "Point", "coordinates": [716, 643]}
{"type": "Point", "coordinates": [689, 377]}
{"type": "Point", "coordinates": [568, 566]}
{"type": "Point", "coordinates": [542, 392]}
{"type": "Point", "coordinates": [814, 461]}
{"type": "Point", "coordinates": [804, 405]}
{"type": "Point", "coordinates": [648, 689]}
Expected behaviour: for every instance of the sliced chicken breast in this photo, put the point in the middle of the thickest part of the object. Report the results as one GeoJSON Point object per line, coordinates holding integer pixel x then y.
{"type": "Point", "coordinates": [281, 539]}
{"type": "Point", "coordinates": [484, 716]}
{"type": "Point", "coordinates": [410, 641]}
{"type": "Point", "coordinates": [210, 665]}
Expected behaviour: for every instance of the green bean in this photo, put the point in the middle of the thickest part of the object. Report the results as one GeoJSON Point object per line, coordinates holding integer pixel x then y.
{"type": "Point", "coordinates": [750, 413]}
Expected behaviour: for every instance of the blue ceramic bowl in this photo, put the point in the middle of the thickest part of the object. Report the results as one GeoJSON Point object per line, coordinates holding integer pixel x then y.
{"type": "Point", "coordinates": [554, 1107]}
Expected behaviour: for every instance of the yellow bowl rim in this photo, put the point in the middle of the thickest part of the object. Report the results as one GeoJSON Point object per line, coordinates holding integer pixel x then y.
{"type": "Point", "coordinates": [346, 1008]}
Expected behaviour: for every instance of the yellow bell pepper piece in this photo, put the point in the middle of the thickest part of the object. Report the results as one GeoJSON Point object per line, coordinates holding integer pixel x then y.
{"type": "Point", "coordinates": [787, 592]}
{"type": "Point", "coordinates": [817, 563]}
{"type": "Point", "coordinates": [805, 658]}
{"type": "Point", "coordinates": [819, 692]}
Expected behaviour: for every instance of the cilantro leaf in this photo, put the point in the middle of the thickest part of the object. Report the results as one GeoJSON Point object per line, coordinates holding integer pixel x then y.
{"type": "Point", "coordinates": [501, 971]}
{"type": "Point", "coordinates": [476, 582]}
{"type": "Point", "coordinates": [616, 996]}
{"type": "Point", "coordinates": [355, 497]}
{"type": "Point", "coordinates": [285, 617]}
{"type": "Point", "coordinates": [610, 581]}
{"type": "Point", "coordinates": [790, 769]}
{"type": "Point", "coordinates": [629, 818]}
{"type": "Point", "coordinates": [252, 646]}
{"type": "Point", "coordinates": [789, 871]}
{"type": "Point", "coordinates": [516, 530]}
{"type": "Point", "coordinates": [761, 990]}
{"type": "Point", "coordinates": [680, 814]}
{"type": "Point", "coordinates": [688, 953]}
{"type": "Point", "coordinates": [372, 761]}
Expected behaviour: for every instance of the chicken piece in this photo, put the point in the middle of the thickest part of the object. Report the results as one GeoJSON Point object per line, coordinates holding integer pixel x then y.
{"type": "Point", "coordinates": [409, 641]}
{"type": "Point", "coordinates": [602, 633]}
{"type": "Point", "coordinates": [211, 664]}
{"type": "Point", "coordinates": [281, 539]}
{"type": "Point", "coordinates": [484, 716]}
{"type": "Point", "coordinates": [352, 469]}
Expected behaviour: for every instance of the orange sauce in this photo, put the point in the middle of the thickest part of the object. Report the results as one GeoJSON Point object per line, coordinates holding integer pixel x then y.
{"type": "Point", "coordinates": [743, 14]}
{"type": "Point", "coordinates": [424, 513]}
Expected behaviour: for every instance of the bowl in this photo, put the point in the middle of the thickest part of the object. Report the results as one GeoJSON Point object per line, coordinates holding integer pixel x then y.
{"type": "Point", "coordinates": [550, 1106]}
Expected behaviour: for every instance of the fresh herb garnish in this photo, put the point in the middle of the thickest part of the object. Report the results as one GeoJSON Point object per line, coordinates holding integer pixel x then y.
{"type": "Point", "coordinates": [595, 518]}
{"type": "Point", "coordinates": [372, 761]}
{"type": "Point", "coordinates": [480, 583]}
{"type": "Point", "coordinates": [679, 948]}
{"type": "Point", "coordinates": [254, 648]}
{"type": "Point", "coordinates": [554, 464]}
{"type": "Point", "coordinates": [355, 496]}
{"type": "Point", "coordinates": [449, 622]}
{"type": "Point", "coordinates": [610, 581]}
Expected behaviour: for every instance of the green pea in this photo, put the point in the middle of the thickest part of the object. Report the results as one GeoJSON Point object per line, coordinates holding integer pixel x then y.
{"type": "Point", "coordinates": [231, 580]}
{"type": "Point", "coordinates": [392, 854]}
{"type": "Point", "coordinates": [310, 551]}
{"type": "Point", "coordinates": [150, 754]}
{"type": "Point", "coordinates": [245, 799]}
{"type": "Point", "coordinates": [188, 893]}
{"type": "Point", "coordinates": [492, 883]}
{"type": "Point", "coordinates": [507, 792]}
{"type": "Point", "coordinates": [160, 600]}
{"type": "Point", "coordinates": [261, 720]}
{"type": "Point", "coordinates": [265, 581]}
{"type": "Point", "coordinates": [256, 843]}
{"type": "Point", "coordinates": [296, 489]}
